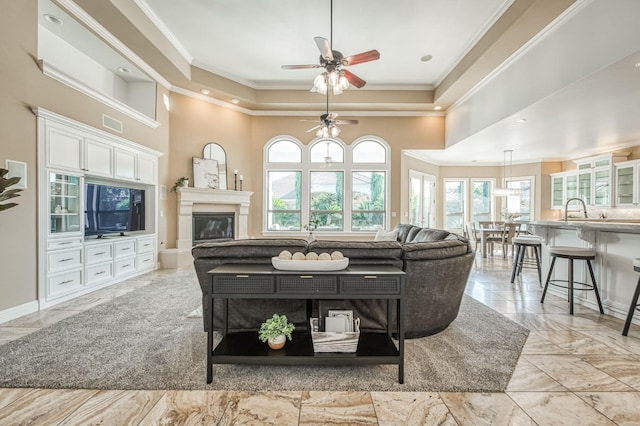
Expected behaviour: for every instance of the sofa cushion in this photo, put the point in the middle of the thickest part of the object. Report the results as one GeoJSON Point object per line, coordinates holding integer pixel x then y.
{"type": "Point", "coordinates": [388, 250]}
{"type": "Point", "coordinates": [249, 248]}
{"type": "Point", "coordinates": [435, 249]}
{"type": "Point", "coordinates": [406, 232]}
{"type": "Point", "coordinates": [384, 235]}
{"type": "Point", "coordinates": [427, 234]}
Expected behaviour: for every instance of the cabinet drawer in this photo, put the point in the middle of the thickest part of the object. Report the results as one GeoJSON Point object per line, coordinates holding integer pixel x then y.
{"type": "Point", "coordinates": [61, 260]}
{"type": "Point", "coordinates": [98, 273]}
{"type": "Point", "coordinates": [369, 285]}
{"type": "Point", "coordinates": [146, 245]}
{"type": "Point", "coordinates": [145, 261]}
{"type": "Point", "coordinates": [63, 244]}
{"type": "Point", "coordinates": [97, 254]}
{"type": "Point", "coordinates": [243, 284]}
{"type": "Point", "coordinates": [64, 283]}
{"type": "Point", "coordinates": [125, 248]}
{"type": "Point", "coordinates": [307, 284]}
{"type": "Point", "coordinates": [125, 265]}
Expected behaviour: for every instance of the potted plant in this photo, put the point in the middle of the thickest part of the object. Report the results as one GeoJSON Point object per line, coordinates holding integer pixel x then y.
{"type": "Point", "coordinates": [275, 331]}
{"type": "Point", "coordinates": [181, 182]}
{"type": "Point", "coordinates": [7, 194]}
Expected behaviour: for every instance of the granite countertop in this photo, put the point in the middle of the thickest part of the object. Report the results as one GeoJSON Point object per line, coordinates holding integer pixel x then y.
{"type": "Point", "coordinates": [631, 226]}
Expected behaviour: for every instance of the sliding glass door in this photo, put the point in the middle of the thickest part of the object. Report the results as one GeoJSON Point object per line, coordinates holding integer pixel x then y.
{"type": "Point", "coordinates": [422, 189]}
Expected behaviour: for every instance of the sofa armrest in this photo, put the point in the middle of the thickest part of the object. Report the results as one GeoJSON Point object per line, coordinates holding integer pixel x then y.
{"type": "Point", "coordinates": [249, 248]}
{"type": "Point", "coordinates": [435, 249]}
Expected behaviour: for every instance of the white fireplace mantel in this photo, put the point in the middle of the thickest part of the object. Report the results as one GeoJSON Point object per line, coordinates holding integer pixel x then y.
{"type": "Point", "coordinates": [201, 200]}
{"type": "Point", "coordinates": [210, 200]}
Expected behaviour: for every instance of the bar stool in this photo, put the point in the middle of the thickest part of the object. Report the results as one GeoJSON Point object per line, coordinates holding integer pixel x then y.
{"type": "Point", "coordinates": [572, 253]}
{"type": "Point", "coordinates": [522, 243]}
{"type": "Point", "coordinates": [634, 301]}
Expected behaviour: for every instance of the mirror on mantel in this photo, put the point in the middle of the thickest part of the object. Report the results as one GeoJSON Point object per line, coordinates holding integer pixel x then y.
{"type": "Point", "coordinates": [213, 151]}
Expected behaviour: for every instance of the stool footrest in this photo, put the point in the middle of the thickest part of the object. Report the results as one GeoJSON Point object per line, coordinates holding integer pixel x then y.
{"type": "Point", "coordinates": [582, 286]}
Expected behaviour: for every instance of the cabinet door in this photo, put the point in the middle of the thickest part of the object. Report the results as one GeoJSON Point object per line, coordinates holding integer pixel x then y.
{"type": "Point", "coordinates": [98, 158]}
{"type": "Point", "coordinates": [584, 186]}
{"type": "Point", "coordinates": [64, 149]}
{"type": "Point", "coordinates": [64, 203]}
{"type": "Point", "coordinates": [125, 165]}
{"type": "Point", "coordinates": [625, 185]}
{"type": "Point", "coordinates": [557, 191]}
{"type": "Point", "coordinates": [602, 187]}
{"type": "Point", "coordinates": [146, 169]}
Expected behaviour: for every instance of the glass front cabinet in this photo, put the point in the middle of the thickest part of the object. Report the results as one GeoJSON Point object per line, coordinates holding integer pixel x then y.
{"type": "Point", "coordinates": [627, 177]}
{"type": "Point", "coordinates": [65, 207]}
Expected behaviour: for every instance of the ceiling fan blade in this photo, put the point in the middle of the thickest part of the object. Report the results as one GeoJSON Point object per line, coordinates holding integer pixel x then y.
{"type": "Point", "coordinates": [300, 67]}
{"type": "Point", "coordinates": [314, 128]}
{"type": "Point", "coordinates": [325, 48]}
{"type": "Point", "coordinates": [354, 79]}
{"type": "Point", "coordinates": [371, 55]}
{"type": "Point", "coordinates": [346, 121]}
{"type": "Point", "coordinates": [309, 121]}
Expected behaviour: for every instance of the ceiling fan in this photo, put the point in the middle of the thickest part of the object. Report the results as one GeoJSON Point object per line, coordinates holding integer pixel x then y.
{"type": "Point", "coordinates": [329, 123]}
{"type": "Point", "coordinates": [333, 61]}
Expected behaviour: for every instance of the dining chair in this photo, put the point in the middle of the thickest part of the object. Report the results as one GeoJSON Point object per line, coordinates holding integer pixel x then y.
{"type": "Point", "coordinates": [471, 233]}
{"type": "Point", "coordinates": [509, 230]}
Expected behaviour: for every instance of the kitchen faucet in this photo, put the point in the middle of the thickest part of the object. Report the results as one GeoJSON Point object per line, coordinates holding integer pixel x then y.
{"type": "Point", "coordinates": [566, 207]}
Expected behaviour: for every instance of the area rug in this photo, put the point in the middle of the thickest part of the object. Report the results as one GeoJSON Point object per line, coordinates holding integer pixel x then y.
{"type": "Point", "coordinates": [145, 340]}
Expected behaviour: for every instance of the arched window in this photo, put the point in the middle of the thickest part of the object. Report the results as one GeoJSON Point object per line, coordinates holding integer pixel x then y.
{"type": "Point", "coordinates": [284, 151]}
{"type": "Point", "coordinates": [326, 186]}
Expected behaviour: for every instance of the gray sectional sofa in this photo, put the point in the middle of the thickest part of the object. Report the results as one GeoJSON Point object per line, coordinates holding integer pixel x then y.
{"type": "Point", "coordinates": [437, 264]}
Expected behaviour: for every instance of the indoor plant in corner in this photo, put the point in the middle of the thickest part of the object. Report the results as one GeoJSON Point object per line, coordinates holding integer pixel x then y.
{"type": "Point", "coordinates": [275, 331]}
{"type": "Point", "coordinates": [7, 194]}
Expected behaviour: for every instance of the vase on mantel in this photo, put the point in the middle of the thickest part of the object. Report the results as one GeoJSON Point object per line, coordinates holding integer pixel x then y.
{"type": "Point", "coordinates": [277, 342]}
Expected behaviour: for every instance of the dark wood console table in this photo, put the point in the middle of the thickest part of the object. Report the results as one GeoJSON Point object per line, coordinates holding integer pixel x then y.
{"type": "Point", "coordinates": [252, 281]}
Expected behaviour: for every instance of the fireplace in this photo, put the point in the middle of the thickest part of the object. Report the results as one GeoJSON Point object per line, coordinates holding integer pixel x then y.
{"type": "Point", "coordinates": [212, 226]}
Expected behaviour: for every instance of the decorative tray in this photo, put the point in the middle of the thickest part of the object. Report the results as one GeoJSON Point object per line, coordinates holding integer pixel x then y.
{"type": "Point", "coordinates": [310, 265]}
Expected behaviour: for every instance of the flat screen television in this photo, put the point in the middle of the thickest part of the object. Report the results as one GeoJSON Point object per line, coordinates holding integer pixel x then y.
{"type": "Point", "coordinates": [112, 209]}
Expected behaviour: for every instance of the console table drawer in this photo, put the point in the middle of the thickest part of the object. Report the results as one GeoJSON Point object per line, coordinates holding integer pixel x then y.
{"type": "Point", "coordinates": [65, 283]}
{"type": "Point", "coordinates": [98, 254]}
{"type": "Point", "coordinates": [243, 284]}
{"type": "Point", "coordinates": [370, 284]}
{"type": "Point", "coordinates": [125, 266]}
{"type": "Point", "coordinates": [98, 273]}
{"type": "Point", "coordinates": [307, 284]}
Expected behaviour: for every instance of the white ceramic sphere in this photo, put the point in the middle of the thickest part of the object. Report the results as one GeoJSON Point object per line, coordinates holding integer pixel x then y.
{"type": "Point", "coordinates": [298, 256]}
{"type": "Point", "coordinates": [324, 256]}
{"type": "Point", "coordinates": [337, 255]}
{"type": "Point", "coordinates": [312, 256]}
{"type": "Point", "coordinates": [285, 255]}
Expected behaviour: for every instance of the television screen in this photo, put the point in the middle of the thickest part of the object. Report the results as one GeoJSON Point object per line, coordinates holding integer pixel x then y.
{"type": "Point", "coordinates": [112, 209]}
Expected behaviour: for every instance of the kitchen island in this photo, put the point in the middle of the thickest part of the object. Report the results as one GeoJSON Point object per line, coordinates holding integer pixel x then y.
{"type": "Point", "coordinates": [617, 243]}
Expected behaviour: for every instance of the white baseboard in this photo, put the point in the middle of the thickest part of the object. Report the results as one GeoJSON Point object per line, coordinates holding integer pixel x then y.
{"type": "Point", "coordinates": [18, 311]}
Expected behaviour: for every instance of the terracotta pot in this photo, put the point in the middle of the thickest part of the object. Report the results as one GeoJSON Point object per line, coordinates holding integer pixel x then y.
{"type": "Point", "coordinates": [277, 342]}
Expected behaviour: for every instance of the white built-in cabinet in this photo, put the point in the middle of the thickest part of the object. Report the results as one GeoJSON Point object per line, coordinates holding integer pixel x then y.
{"type": "Point", "coordinates": [592, 181]}
{"type": "Point", "coordinates": [70, 154]}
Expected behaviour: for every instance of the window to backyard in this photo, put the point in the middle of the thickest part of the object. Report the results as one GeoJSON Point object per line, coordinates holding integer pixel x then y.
{"type": "Point", "coordinates": [328, 185]}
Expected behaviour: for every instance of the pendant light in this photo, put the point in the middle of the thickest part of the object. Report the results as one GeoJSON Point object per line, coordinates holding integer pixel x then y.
{"type": "Point", "coordinates": [506, 191]}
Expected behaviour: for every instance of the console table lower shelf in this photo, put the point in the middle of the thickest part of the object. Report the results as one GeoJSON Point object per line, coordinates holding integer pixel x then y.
{"type": "Point", "coordinates": [245, 348]}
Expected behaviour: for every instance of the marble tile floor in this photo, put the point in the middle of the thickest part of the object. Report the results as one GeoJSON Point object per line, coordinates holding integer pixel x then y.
{"type": "Point", "coordinates": [573, 370]}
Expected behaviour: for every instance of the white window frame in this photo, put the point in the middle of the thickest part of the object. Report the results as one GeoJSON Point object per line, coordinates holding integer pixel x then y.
{"type": "Point", "coordinates": [465, 200]}
{"type": "Point", "coordinates": [532, 200]}
{"type": "Point", "coordinates": [306, 166]}
{"type": "Point", "coordinates": [492, 199]}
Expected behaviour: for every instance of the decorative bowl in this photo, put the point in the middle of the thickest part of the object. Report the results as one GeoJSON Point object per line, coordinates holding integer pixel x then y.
{"type": "Point", "coordinates": [309, 265]}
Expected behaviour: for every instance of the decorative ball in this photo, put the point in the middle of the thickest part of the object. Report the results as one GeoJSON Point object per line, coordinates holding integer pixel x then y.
{"type": "Point", "coordinates": [312, 256]}
{"type": "Point", "coordinates": [298, 256]}
{"type": "Point", "coordinates": [285, 255]}
{"type": "Point", "coordinates": [337, 255]}
{"type": "Point", "coordinates": [324, 256]}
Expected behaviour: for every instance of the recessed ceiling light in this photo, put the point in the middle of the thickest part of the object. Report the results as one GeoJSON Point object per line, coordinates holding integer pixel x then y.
{"type": "Point", "coordinates": [437, 107]}
{"type": "Point", "coordinates": [637, 64]}
{"type": "Point", "coordinates": [426, 58]}
{"type": "Point", "coordinates": [123, 70]}
{"type": "Point", "coordinates": [205, 91]}
{"type": "Point", "coordinates": [521, 120]}
{"type": "Point", "coordinates": [235, 101]}
{"type": "Point", "coordinates": [52, 19]}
